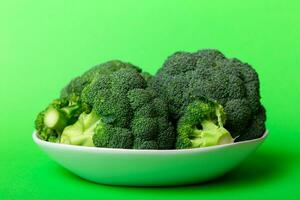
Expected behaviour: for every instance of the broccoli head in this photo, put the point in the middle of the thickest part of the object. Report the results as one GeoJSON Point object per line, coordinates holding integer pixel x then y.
{"type": "Point", "coordinates": [109, 106]}
{"type": "Point", "coordinates": [202, 125]}
{"type": "Point", "coordinates": [69, 110]}
{"type": "Point", "coordinates": [132, 115]}
{"type": "Point", "coordinates": [187, 77]}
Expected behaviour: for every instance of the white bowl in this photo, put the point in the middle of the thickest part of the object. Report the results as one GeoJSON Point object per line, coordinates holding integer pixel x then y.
{"type": "Point", "coordinates": [149, 167]}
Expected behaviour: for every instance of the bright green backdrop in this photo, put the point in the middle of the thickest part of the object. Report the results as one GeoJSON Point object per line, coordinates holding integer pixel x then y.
{"type": "Point", "coordinates": [45, 43]}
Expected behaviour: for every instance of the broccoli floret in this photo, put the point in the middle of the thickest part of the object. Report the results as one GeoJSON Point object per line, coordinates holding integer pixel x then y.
{"type": "Point", "coordinates": [187, 77]}
{"type": "Point", "coordinates": [132, 115]}
{"type": "Point", "coordinates": [58, 118]}
{"type": "Point", "coordinates": [66, 110]}
{"type": "Point", "coordinates": [150, 125]}
{"type": "Point", "coordinates": [125, 80]}
{"type": "Point", "coordinates": [111, 102]}
{"type": "Point", "coordinates": [109, 136]}
{"type": "Point", "coordinates": [109, 106]}
{"type": "Point", "coordinates": [202, 126]}
{"type": "Point", "coordinates": [144, 127]}
{"type": "Point", "coordinates": [138, 98]}
{"type": "Point", "coordinates": [51, 122]}
{"type": "Point", "coordinates": [91, 91]}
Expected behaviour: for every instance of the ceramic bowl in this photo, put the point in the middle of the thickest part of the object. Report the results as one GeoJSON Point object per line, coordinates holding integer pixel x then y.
{"type": "Point", "coordinates": [149, 167]}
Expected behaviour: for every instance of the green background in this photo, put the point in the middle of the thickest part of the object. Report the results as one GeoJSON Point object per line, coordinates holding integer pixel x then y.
{"type": "Point", "coordinates": [43, 44]}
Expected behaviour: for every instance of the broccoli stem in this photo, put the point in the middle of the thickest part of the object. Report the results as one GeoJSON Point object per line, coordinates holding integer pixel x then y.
{"type": "Point", "coordinates": [58, 119]}
{"type": "Point", "coordinates": [210, 135]}
{"type": "Point", "coordinates": [55, 119]}
{"type": "Point", "coordinates": [82, 131]}
{"type": "Point", "coordinates": [83, 140]}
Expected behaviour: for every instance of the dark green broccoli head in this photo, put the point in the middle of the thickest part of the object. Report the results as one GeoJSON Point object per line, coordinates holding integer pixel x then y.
{"type": "Point", "coordinates": [202, 125]}
{"type": "Point", "coordinates": [111, 89]}
{"type": "Point", "coordinates": [114, 108]}
{"type": "Point", "coordinates": [187, 77]}
{"type": "Point", "coordinates": [125, 103]}
{"type": "Point", "coordinates": [149, 125]}
{"type": "Point", "coordinates": [108, 96]}
{"type": "Point", "coordinates": [108, 106]}
{"type": "Point", "coordinates": [91, 92]}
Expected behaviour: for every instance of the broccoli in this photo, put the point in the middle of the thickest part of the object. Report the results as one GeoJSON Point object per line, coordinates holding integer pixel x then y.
{"type": "Point", "coordinates": [109, 136]}
{"type": "Point", "coordinates": [133, 116]}
{"type": "Point", "coordinates": [150, 124]}
{"type": "Point", "coordinates": [110, 106]}
{"type": "Point", "coordinates": [202, 126]}
{"type": "Point", "coordinates": [116, 105]}
{"type": "Point", "coordinates": [187, 77]}
{"type": "Point", "coordinates": [51, 122]}
{"type": "Point", "coordinates": [65, 111]}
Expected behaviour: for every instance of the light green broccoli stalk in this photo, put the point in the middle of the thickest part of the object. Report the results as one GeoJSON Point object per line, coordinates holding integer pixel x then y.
{"type": "Point", "coordinates": [82, 131]}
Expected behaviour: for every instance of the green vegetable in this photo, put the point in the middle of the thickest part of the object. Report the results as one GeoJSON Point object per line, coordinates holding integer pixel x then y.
{"type": "Point", "coordinates": [116, 105]}
{"type": "Point", "coordinates": [202, 126]}
{"type": "Point", "coordinates": [133, 115]}
{"type": "Point", "coordinates": [51, 122]}
{"type": "Point", "coordinates": [187, 77]}
{"type": "Point", "coordinates": [113, 137]}
{"type": "Point", "coordinates": [109, 106]}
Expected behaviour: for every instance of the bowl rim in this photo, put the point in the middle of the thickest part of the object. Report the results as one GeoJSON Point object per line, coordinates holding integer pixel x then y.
{"type": "Point", "coordinates": [40, 142]}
